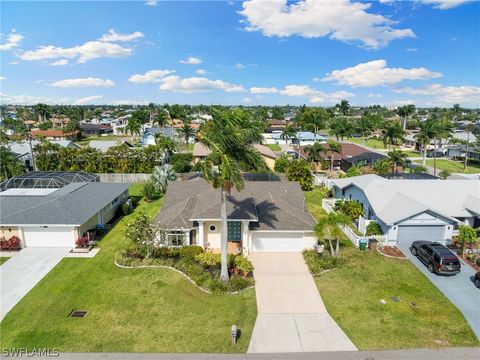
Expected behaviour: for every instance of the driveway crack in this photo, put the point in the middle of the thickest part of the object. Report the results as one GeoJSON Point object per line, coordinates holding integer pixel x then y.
{"type": "Point", "coordinates": [298, 334]}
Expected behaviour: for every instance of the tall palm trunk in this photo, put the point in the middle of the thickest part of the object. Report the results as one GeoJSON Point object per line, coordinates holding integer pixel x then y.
{"type": "Point", "coordinates": [223, 237]}
{"type": "Point", "coordinates": [435, 157]}
{"type": "Point", "coordinates": [466, 152]}
{"type": "Point", "coordinates": [424, 155]}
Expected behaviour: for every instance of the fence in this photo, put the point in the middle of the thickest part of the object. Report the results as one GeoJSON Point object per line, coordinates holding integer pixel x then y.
{"type": "Point", "coordinates": [123, 178]}
{"type": "Point", "coordinates": [327, 205]}
{"type": "Point", "coordinates": [322, 180]}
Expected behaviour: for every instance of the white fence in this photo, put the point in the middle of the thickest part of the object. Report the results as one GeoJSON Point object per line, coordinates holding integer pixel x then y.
{"type": "Point", "coordinates": [322, 180]}
{"type": "Point", "coordinates": [123, 178]}
{"type": "Point", "coordinates": [327, 205]}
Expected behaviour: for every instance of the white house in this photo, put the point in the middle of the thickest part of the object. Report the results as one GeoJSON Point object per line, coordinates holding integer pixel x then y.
{"type": "Point", "coordinates": [410, 210]}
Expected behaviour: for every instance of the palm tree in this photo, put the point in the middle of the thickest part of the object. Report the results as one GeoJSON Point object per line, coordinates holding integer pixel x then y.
{"type": "Point", "coordinates": [314, 120]}
{"type": "Point", "coordinates": [405, 111]}
{"type": "Point", "coordinates": [443, 130]}
{"type": "Point", "coordinates": [366, 125]}
{"type": "Point", "coordinates": [162, 175]}
{"type": "Point", "coordinates": [469, 128]}
{"type": "Point", "coordinates": [344, 107]}
{"type": "Point", "coordinates": [329, 226]}
{"type": "Point", "coordinates": [382, 167]}
{"type": "Point", "coordinates": [161, 119]}
{"type": "Point", "coordinates": [9, 164]}
{"type": "Point", "coordinates": [392, 133]}
{"type": "Point", "coordinates": [151, 109]}
{"type": "Point", "coordinates": [187, 131]}
{"type": "Point", "coordinates": [133, 127]}
{"type": "Point", "coordinates": [229, 136]}
{"type": "Point", "coordinates": [288, 133]}
{"type": "Point", "coordinates": [341, 128]}
{"type": "Point", "coordinates": [397, 158]}
{"type": "Point", "coordinates": [314, 153]}
{"type": "Point", "coordinates": [334, 148]}
{"type": "Point", "coordinates": [427, 131]}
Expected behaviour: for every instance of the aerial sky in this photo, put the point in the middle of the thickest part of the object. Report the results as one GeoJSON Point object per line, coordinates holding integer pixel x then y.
{"type": "Point", "coordinates": [267, 52]}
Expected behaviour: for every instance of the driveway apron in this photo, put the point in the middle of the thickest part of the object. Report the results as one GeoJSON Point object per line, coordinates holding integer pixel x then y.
{"type": "Point", "coordinates": [291, 314]}
{"type": "Point", "coordinates": [23, 271]}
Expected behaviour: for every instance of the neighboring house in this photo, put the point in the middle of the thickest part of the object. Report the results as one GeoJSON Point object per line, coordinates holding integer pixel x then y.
{"type": "Point", "coordinates": [276, 125]}
{"type": "Point", "coordinates": [96, 129]}
{"type": "Point", "coordinates": [410, 210]}
{"type": "Point", "coordinates": [410, 176]}
{"type": "Point", "coordinates": [59, 121]}
{"type": "Point", "coordinates": [458, 135]}
{"type": "Point", "coordinates": [351, 154]}
{"type": "Point", "coordinates": [458, 151]}
{"type": "Point", "coordinates": [267, 216]}
{"type": "Point", "coordinates": [22, 148]}
{"type": "Point", "coordinates": [57, 217]}
{"type": "Point", "coordinates": [148, 137]}
{"type": "Point", "coordinates": [103, 146]}
{"type": "Point", "coordinates": [273, 138]}
{"type": "Point", "coordinates": [55, 134]}
{"type": "Point", "coordinates": [304, 138]}
{"type": "Point", "coordinates": [200, 152]}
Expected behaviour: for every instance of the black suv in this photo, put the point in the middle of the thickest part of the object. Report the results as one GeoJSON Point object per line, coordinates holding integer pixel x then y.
{"type": "Point", "coordinates": [437, 257]}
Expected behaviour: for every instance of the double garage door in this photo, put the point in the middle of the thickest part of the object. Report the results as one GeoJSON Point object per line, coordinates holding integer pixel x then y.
{"type": "Point", "coordinates": [277, 242]}
{"type": "Point", "coordinates": [409, 234]}
{"type": "Point", "coordinates": [48, 236]}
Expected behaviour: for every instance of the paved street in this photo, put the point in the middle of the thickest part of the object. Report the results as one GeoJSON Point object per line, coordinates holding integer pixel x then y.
{"type": "Point", "coordinates": [459, 289]}
{"type": "Point", "coordinates": [291, 314]}
{"type": "Point", "coordinates": [23, 271]}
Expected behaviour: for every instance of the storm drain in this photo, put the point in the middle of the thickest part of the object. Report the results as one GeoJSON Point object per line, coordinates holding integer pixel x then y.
{"type": "Point", "coordinates": [78, 313]}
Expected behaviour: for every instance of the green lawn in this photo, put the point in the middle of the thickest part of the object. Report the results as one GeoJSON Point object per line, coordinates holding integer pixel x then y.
{"type": "Point", "coordinates": [411, 153]}
{"type": "Point", "coordinates": [3, 259]}
{"type": "Point", "coordinates": [129, 310]}
{"type": "Point", "coordinates": [86, 140]}
{"type": "Point", "coordinates": [454, 166]}
{"type": "Point", "coordinates": [275, 147]}
{"type": "Point", "coordinates": [352, 296]}
{"type": "Point", "coordinates": [371, 143]}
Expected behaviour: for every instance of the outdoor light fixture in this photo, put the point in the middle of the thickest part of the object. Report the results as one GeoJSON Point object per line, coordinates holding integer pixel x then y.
{"type": "Point", "coordinates": [234, 335]}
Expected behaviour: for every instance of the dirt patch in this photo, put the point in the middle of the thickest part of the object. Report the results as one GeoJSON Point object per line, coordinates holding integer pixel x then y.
{"type": "Point", "coordinates": [391, 251]}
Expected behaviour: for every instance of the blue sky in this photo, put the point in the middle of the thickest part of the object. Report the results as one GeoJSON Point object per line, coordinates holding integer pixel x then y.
{"type": "Point", "coordinates": [243, 52]}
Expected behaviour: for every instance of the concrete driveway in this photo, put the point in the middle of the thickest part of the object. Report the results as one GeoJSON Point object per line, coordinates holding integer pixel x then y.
{"type": "Point", "coordinates": [23, 271]}
{"type": "Point", "coordinates": [459, 289]}
{"type": "Point", "coordinates": [291, 314]}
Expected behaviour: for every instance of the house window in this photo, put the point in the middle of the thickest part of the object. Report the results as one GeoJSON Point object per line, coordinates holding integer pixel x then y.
{"type": "Point", "coordinates": [234, 231]}
{"type": "Point", "coordinates": [176, 238]}
{"type": "Point", "coordinates": [212, 228]}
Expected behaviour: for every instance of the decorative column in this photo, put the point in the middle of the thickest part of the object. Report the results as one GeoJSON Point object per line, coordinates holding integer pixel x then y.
{"type": "Point", "coordinates": [201, 241]}
{"type": "Point", "coordinates": [245, 240]}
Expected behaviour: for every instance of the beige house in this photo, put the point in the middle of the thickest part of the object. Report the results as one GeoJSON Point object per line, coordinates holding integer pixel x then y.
{"type": "Point", "coordinates": [267, 216]}
{"type": "Point", "coordinates": [200, 152]}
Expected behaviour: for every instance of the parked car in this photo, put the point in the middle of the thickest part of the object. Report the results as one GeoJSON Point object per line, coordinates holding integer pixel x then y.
{"type": "Point", "coordinates": [431, 154]}
{"type": "Point", "coordinates": [476, 281]}
{"type": "Point", "coordinates": [437, 257]}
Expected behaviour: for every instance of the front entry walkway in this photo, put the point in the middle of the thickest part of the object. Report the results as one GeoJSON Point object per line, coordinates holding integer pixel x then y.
{"type": "Point", "coordinates": [23, 271]}
{"type": "Point", "coordinates": [291, 314]}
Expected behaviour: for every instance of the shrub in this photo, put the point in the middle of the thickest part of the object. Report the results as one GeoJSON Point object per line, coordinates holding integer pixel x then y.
{"type": "Point", "coordinates": [208, 260]}
{"type": "Point", "coordinates": [216, 285]}
{"type": "Point", "coordinates": [299, 170]}
{"type": "Point", "coordinates": [12, 244]}
{"type": "Point", "coordinates": [373, 229]}
{"type": "Point", "coordinates": [162, 252]}
{"type": "Point", "coordinates": [149, 190]}
{"type": "Point", "coordinates": [243, 264]}
{"type": "Point", "coordinates": [321, 262]}
{"type": "Point", "coordinates": [281, 164]}
{"type": "Point", "coordinates": [126, 209]}
{"type": "Point", "coordinates": [350, 208]}
{"type": "Point", "coordinates": [238, 283]}
{"type": "Point", "coordinates": [190, 251]}
{"type": "Point", "coordinates": [181, 162]}
{"type": "Point", "coordinates": [82, 242]}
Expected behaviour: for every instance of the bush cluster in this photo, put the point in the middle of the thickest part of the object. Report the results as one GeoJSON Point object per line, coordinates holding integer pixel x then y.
{"type": "Point", "coordinates": [12, 244]}
{"type": "Point", "coordinates": [320, 262]}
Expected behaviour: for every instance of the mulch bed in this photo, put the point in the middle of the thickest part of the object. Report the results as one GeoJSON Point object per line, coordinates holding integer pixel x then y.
{"type": "Point", "coordinates": [392, 251]}
{"type": "Point", "coordinates": [473, 265]}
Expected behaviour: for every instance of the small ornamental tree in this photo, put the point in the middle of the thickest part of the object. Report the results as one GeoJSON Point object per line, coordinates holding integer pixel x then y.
{"type": "Point", "coordinates": [299, 170]}
{"type": "Point", "coordinates": [444, 174]}
{"type": "Point", "coordinates": [373, 229]}
{"type": "Point", "coordinates": [466, 236]}
{"type": "Point", "coordinates": [350, 208]}
{"type": "Point", "coordinates": [281, 164]}
{"type": "Point", "coordinates": [149, 190]}
{"type": "Point", "coordinates": [144, 235]}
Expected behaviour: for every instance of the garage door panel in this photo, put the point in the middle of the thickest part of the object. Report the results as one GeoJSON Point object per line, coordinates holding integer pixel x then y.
{"type": "Point", "coordinates": [409, 234]}
{"type": "Point", "coordinates": [277, 242]}
{"type": "Point", "coordinates": [48, 237]}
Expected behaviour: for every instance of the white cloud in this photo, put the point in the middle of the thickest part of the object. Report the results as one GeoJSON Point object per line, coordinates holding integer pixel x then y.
{"type": "Point", "coordinates": [297, 90]}
{"type": "Point", "coordinates": [376, 73]}
{"type": "Point", "coordinates": [330, 98]}
{"type": "Point", "coordinates": [13, 40]}
{"type": "Point", "coordinates": [411, 49]}
{"type": "Point", "coordinates": [201, 71]}
{"type": "Point", "coordinates": [442, 95]}
{"type": "Point", "coordinates": [197, 84]}
{"type": "Point", "coordinates": [113, 36]}
{"type": "Point", "coordinates": [340, 20]}
{"type": "Point", "coordinates": [83, 82]}
{"type": "Point", "coordinates": [240, 66]}
{"type": "Point", "coordinates": [23, 99]}
{"type": "Point", "coordinates": [445, 4]}
{"type": "Point", "coordinates": [246, 100]}
{"type": "Point", "coordinates": [61, 62]}
{"type": "Point", "coordinates": [373, 95]}
{"type": "Point", "coordinates": [263, 90]}
{"type": "Point", "coordinates": [191, 61]}
{"type": "Point", "coordinates": [83, 53]}
{"type": "Point", "coordinates": [2, 78]}
{"type": "Point", "coordinates": [88, 100]}
{"type": "Point", "coordinates": [151, 76]}
{"type": "Point", "coordinates": [151, 2]}
{"type": "Point", "coordinates": [129, 102]}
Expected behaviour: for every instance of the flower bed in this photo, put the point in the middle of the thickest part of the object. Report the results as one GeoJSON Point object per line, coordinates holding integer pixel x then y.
{"type": "Point", "coordinates": [202, 268]}
{"type": "Point", "coordinates": [318, 263]}
{"type": "Point", "coordinates": [11, 244]}
{"type": "Point", "coordinates": [391, 251]}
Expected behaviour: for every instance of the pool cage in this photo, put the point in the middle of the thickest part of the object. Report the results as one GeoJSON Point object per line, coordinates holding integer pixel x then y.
{"type": "Point", "coordinates": [47, 179]}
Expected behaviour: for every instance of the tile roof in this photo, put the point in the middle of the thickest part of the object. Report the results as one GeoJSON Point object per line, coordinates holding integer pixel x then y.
{"type": "Point", "coordinates": [268, 205]}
